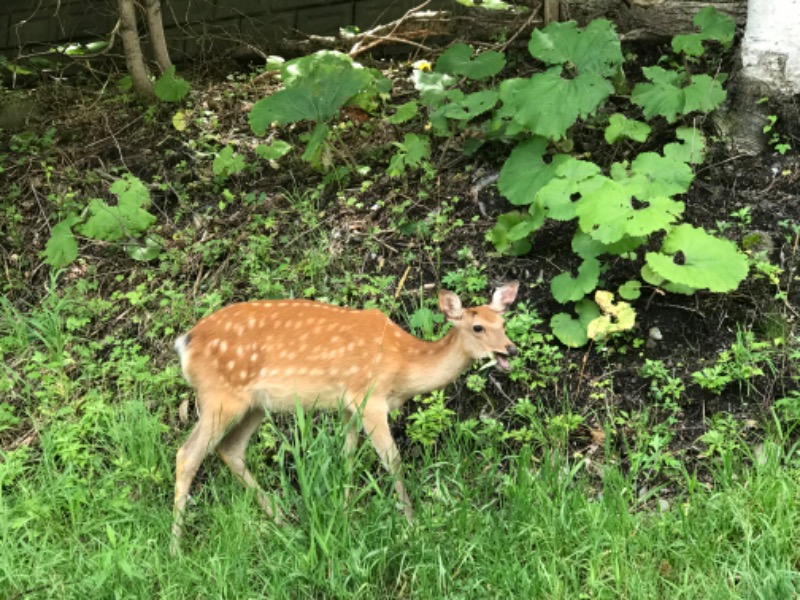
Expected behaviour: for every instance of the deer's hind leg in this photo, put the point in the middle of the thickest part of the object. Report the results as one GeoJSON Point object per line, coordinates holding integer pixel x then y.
{"type": "Point", "coordinates": [219, 412]}
{"type": "Point", "coordinates": [232, 450]}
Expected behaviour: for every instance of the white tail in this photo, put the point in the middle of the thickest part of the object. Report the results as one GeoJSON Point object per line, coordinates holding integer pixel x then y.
{"type": "Point", "coordinates": [262, 356]}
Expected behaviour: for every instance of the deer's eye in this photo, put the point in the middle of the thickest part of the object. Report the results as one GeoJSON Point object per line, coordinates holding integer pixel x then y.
{"type": "Point", "coordinates": [477, 328]}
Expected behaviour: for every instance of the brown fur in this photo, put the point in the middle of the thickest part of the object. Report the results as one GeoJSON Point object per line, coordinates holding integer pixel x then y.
{"type": "Point", "coordinates": [261, 356]}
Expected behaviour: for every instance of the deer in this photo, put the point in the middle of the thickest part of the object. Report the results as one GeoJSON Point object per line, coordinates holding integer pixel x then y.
{"type": "Point", "coordinates": [255, 357]}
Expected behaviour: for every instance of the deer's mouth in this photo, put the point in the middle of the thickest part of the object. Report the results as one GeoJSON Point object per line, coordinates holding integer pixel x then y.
{"type": "Point", "coordinates": [501, 361]}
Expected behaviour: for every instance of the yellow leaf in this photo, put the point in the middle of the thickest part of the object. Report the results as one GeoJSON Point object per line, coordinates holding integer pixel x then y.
{"type": "Point", "coordinates": [615, 317]}
{"type": "Point", "coordinates": [179, 120]}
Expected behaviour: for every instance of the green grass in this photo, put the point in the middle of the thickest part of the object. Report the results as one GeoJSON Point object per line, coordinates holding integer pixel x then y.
{"type": "Point", "coordinates": [86, 514]}
{"type": "Point", "coordinates": [85, 499]}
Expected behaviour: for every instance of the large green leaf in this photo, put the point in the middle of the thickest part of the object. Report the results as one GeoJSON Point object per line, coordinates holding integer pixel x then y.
{"type": "Point", "coordinates": [662, 96]}
{"type": "Point", "coordinates": [171, 88]}
{"type": "Point", "coordinates": [706, 262]}
{"type": "Point", "coordinates": [128, 218]}
{"type": "Point", "coordinates": [657, 214]}
{"type": "Point", "coordinates": [573, 177]}
{"type": "Point", "coordinates": [654, 175]}
{"type": "Point", "coordinates": [703, 94]}
{"type": "Point", "coordinates": [458, 60]}
{"type": "Point", "coordinates": [596, 49]}
{"type": "Point", "coordinates": [620, 126]}
{"type": "Point", "coordinates": [309, 65]}
{"type": "Point", "coordinates": [62, 247]}
{"type": "Point", "coordinates": [316, 91]}
{"type": "Point", "coordinates": [603, 212]}
{"type": "Point", "coordinates": [586, 246]}
{"type": "Point", "coordinates": [572, 332]}
{"type": "Point", "coordinates": [567, 288]}
{"type": "Point", "coordinates": [713, 26]}
{"type": "Point", "coordinates": [499, 235]}
{"type": "Point", "coordinates": [548, 104]}
{"type": "Point", "coordinates": [671, 93]}
{"type": "Point", "coordinates": [633, 204]}
{"type": "Point", "coordinates": [525, 172]}
{"type": "Point", "coordinates": [690, 149]}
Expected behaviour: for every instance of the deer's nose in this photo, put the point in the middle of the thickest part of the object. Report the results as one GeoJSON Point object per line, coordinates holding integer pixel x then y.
{"type": "Point", "coordinates": [511, 350]}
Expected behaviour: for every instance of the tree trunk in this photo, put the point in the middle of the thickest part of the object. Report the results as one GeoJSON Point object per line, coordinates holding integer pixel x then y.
{"type": "Point", "coordinates": [770, 58]}
{"type": "Point", "coordinates": [155, 25]}
{"type": "Point", "coordinates": [771, 45]}
{"type": "Point", "coordinates": [650, 19]}
{"type": "Point", "coordinates": [134, 58]}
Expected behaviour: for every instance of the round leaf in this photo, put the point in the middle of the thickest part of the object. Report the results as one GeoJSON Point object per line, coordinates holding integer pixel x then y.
{"type": "Point", "coordinates": [458, 60]}
{"type": "Point", "coordinates": [567, 288]}
{"type": "Point", "coordinates": [708, 262]}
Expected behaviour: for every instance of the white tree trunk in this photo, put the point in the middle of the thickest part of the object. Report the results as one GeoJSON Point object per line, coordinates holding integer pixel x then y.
{"type": "Point", "coordinates": [770, 59]}
{"type": "Point", "coordinates": [771, 45]}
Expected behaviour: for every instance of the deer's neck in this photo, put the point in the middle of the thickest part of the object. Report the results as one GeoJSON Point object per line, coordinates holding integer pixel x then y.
{"type": "Point", "coordinates": [432, 365]}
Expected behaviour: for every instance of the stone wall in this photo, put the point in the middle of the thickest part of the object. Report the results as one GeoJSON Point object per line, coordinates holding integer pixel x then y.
{"type": "Point", "coordinates": [191, 25]}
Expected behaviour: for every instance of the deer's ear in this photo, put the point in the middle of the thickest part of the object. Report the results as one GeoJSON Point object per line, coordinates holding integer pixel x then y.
{"type": "Point", "coordinates": [450, 304]}
{"type": "Point", "coordinates": [504, 296]}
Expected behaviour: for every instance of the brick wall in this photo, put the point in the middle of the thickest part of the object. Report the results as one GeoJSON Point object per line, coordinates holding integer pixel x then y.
{"type": "Point", "coordinates": [191, 25]}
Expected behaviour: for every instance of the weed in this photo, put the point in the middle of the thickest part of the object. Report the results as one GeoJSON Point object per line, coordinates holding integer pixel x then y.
{"type": "Point", "coordinates": [741, 363]}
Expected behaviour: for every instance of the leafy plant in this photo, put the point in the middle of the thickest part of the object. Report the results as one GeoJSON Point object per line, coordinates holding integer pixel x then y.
{"type": "Point", "coordinates": [741, 363]}
{"type": "Point", "coordinates": [449, 108]}
{"type": "Point", "coordinates": [713, 27]}
{"type": "Point", "coordinates": [539, 363]}
{"type": "Point", "coordinates": [170, 88]}
{"type": "Point", "coordinates": [776, 140]}
{"type": "Point", "coordinates": [577, 82]}
{"type": "Point", "coordinates": [316, 87]}
{"type": "Point", "coordinates": [273, 151]}
{"type": "Point", "coordinates": [412, 152]}
{"type": "Point", "coordinates": [619, 210]}
{"type": "Point", "coordinates": [653, 428]}
{"type": "Point", "coordinates": [723, 436]}
{"type": "Point", "coordinates": [126, 220]}
{"type": "Point", "coordinates": [677, 92]}
{"type": "Point", "coordinates": [227, 163]}
{"type": "Point", "coordinates": [427, 424]}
